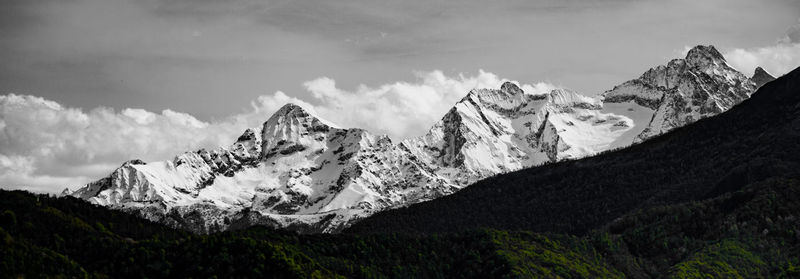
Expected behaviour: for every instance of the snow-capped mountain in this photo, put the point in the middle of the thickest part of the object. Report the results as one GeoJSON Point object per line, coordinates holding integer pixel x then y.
{"type": "Point", "coordinates": [676, 94]}
{"type": "Point", "coordinates": [300, 171]}
{"type": "Point", "coordinates": [306, 174]}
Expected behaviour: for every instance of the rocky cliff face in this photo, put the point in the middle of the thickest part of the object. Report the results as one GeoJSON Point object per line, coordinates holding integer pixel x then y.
{"type": "Point", "coordinates": [303, 173]}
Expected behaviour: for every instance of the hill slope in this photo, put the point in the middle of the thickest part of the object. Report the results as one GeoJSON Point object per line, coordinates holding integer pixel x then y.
{"type": "Point", "coordinates": [753, 141]}
{"type": "Point", "coordinates": [752, 232]}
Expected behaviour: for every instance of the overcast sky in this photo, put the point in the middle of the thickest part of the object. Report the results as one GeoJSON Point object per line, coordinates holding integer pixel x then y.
{"type": "Point", "coordinates": [97, 82]}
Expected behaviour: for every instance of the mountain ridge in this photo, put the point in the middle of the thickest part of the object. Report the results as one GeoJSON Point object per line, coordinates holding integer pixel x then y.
{"type": "Point", "coordinates": [303, 172]}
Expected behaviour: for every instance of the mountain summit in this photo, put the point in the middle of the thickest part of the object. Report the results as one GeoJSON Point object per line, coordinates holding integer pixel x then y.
{"type": "Point", "coordinates": [304, 173]}
{"type": "Point", "coordinates": [678, 93]}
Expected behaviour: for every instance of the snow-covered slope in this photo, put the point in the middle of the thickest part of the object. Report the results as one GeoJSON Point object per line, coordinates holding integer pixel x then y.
{"type": "Point", "coordinates": [303, 173]}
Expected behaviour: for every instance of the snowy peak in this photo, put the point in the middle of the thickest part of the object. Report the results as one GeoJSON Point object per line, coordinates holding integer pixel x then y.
{"type": "Point", "coordinates": [508, 96]}
{"type": "Point", "coordinates": [761, 77]}
{"type": "Point", "coordinates": [292, 127]}
{"type": "Point", "coordinates": [678, 93]}
{"type": "Point", "coordinates": [291, 114]}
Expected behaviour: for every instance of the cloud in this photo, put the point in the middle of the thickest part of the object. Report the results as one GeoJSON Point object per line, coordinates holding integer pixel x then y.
{"type": "Point", "coordinates": [777, 59]}
{"type": "Point", "coordinates": [43, 142]}
{"type": "Point", "coordinates": [45, 146]}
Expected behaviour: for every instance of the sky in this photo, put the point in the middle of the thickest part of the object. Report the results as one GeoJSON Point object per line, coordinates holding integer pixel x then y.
{"type": "Point", "coordinates": [88, 84]}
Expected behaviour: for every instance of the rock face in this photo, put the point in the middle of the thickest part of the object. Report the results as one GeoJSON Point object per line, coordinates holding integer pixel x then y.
{"type": "Point", "coordinates": [303, 173]}
{"type": "Point", "coordinates": [679, 93]}
{"type": "Point", "coordinates": [761, 77]}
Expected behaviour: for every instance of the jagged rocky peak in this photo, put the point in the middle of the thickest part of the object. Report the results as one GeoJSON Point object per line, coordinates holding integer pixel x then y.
{"type": "Point", "coordinates": [702, 65]}
{"type": "Point", "coordinates": [678, 93]}
{"type": "Point", "coordinates": [511, 88]}
{"type": "Point", "coordinates": [704, 56]}
{"type": "Point", "coordinates": [248, 145]}
{"type": "Point", "coordinates": [292, 127]}
{"type": "Point", "coordinates": [700, 58]}
{"type": "Point", "coordinates": [761, 77]}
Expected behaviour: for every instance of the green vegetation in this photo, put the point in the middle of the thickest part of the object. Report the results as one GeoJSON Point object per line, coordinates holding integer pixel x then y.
{"type": "Point", "coordinates": [538, 256]}
{"type": "Point", "coordinates": [727, 259]}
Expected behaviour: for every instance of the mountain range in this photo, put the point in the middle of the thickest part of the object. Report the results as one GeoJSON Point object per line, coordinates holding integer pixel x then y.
{"type": "Point", "coordinates": [303, 173]}
{"type": "Point", "coordinates": [717, 198]}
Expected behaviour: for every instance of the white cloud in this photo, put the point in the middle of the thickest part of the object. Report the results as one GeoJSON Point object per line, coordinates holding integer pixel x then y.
{"type": "Point", "coordinates": [777, 59]}
{"type": "Point", "coordinates": [45, 147]}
